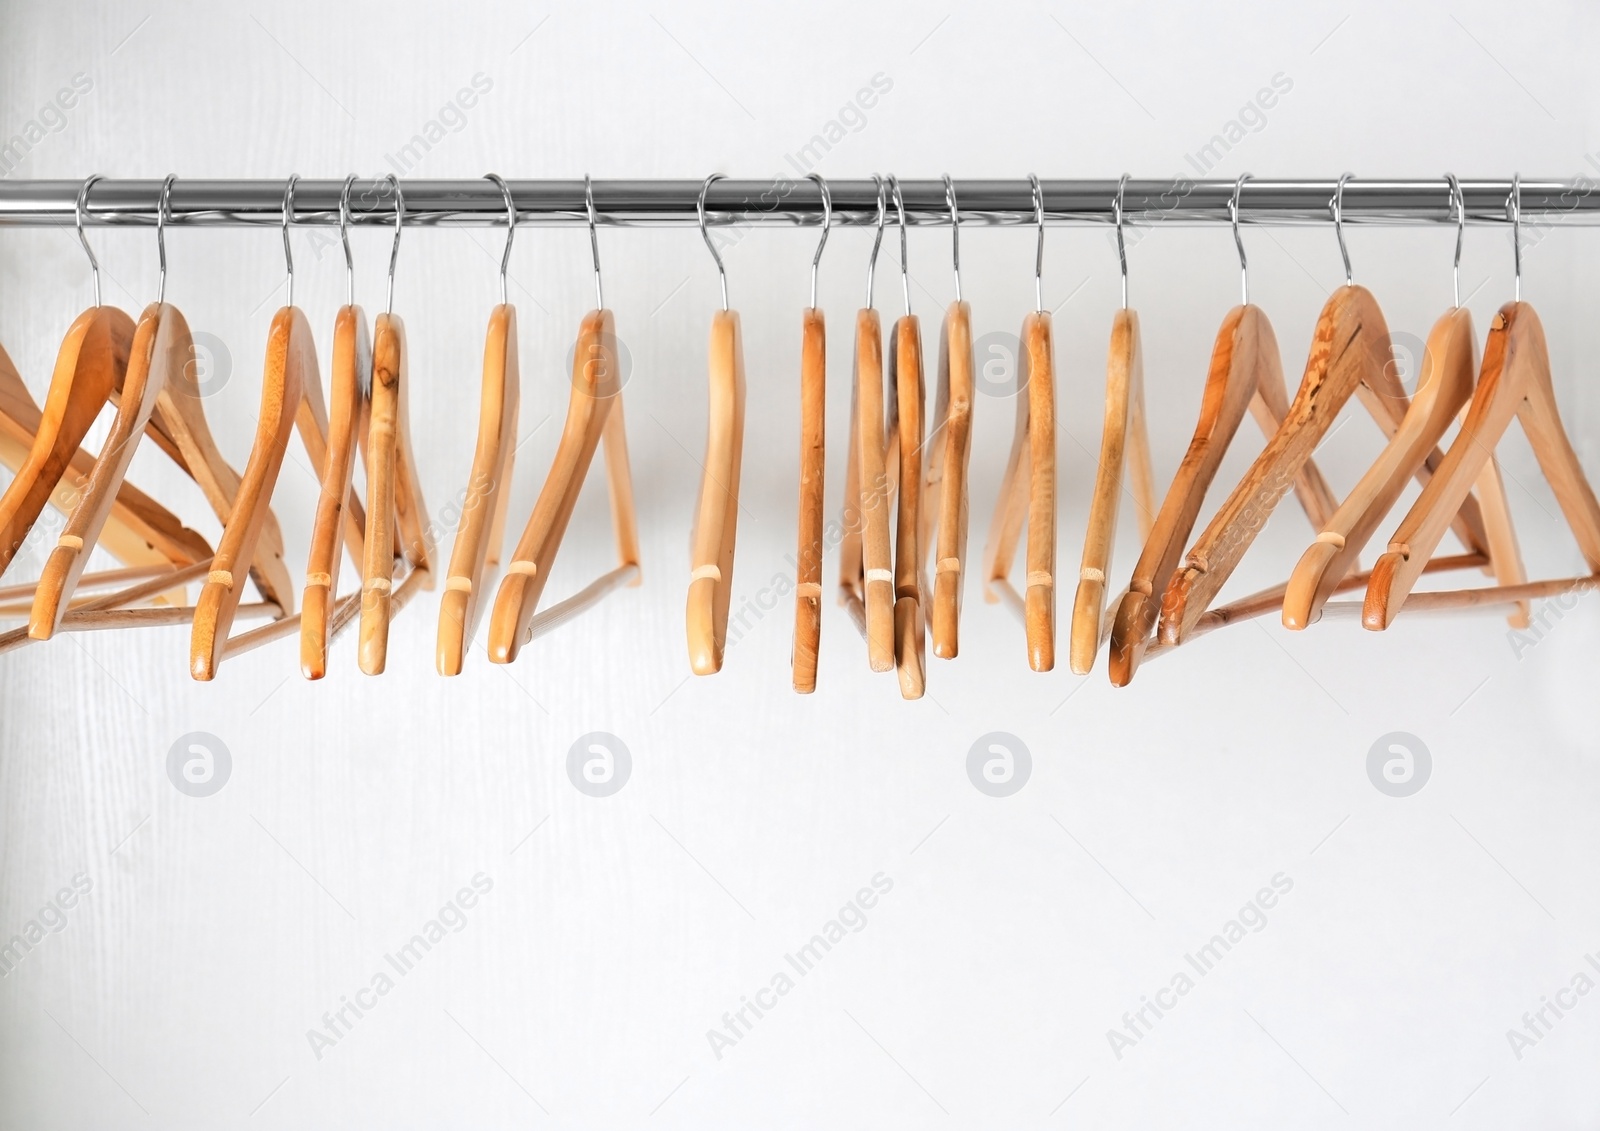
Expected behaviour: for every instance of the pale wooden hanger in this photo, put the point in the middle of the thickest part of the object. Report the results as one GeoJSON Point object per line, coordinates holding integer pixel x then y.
{"type": "Point", "coordinates": [944, 529]}
{"type": "Point", "coordinates": [1028, 488]}
{"type": "Point", "coordinates": [1124, 443]}
{"type": "Point", "coordinates": [483, 515]}
{"type": "Point", "coordinates": [594, 409]}
{"type": "Point", "coordinates": [394, 495]}
{"type": "Point", "coordinates": [1447, 374]}
{"type": "Point", "coordinates": [1515, 381]}
{"type": "Point", "coordinates": [866, 575]}
{"type": "Point", "coordinates": [1350, 353]}
{"type": "Point", "coordinates": [905, 429]}
{"type": "Point", "coordinates": [717, 515]}
{"type": "Point", "coordinates": [813, 467]}
{"type": "Point", "coordinates": [340, 517]}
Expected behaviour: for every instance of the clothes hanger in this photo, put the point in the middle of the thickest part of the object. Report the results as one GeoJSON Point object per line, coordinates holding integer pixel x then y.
{"type": "Point", "coordinates": [594, 409]}
{"type": "Point", "coordinates": [866, 576]}
{"type": "Point", "coordinates": [813, 466]}
{"type": "Point", "coordinates": [340, 517]}
{"type": "Point", "coordinates": [483, 516]}
{"type": "Point", "coordinates": [1515, 381]}
{"type": "Point", "coordinates": [1245, 371]}
{"type": "Point", "coordinates": [906, 440]}
{"type": "Point", "coordinates": [944, 528]}
{"type": "Point", "coordinates": [1447, 376]}
{"type": "Point", "coordinates": [395, 508]}
{"type": "Point", "coordinates": [1350, 353]}
{"type": "Point", "coordinates": [1028, 488]}
{"type": "Point", "coordinates": [717, 515]}
{"type": "Point", "coordinates": [89, 366]}
{"type": "Point", "coordinates": [1124, 440]}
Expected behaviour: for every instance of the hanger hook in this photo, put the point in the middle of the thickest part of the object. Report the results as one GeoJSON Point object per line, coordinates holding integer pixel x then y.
{"type": "Point", "coordinates": [877, 239]}
{"type": "Point", "coordinates": [1122, 248]}
{"type": "Point", "coordinates": [511, 230]}
{"type": "Point", "coordinates": [1038, 258]}
{"type": "Point", "coordinates": [955, 230]}
{"type": "Point", "coordinates": [900, 206]}
{"type": "Point", "coordinates": [78, 211]}
{"type": "Point", "coordinates": [1238, 241]}
{"type": "Point", "coordinates": [163, 206]}
{"type": "Point", "coordinates": [288, 218]}
{"type": "Point", "coordinates": [706, 235]}
{"type": "Point", "coordinates": [394, 250]}
{"type": "Point", "coordinates": [1514, 209]}
{"type": "Point", "coordinates": [344, 238]}
{"type": "Point", "coordinates": [827, 222]}
{"type": "Point", "coordinates": [1337, 205]}
{"type": "Point", "coordinates": [594, 241]}
{"type": "Point", "coordinates": [1458, 204]}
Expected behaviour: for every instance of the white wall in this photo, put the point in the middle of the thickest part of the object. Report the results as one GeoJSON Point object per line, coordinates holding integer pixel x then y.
{"type": "Point", "coordinates": [618, 930]}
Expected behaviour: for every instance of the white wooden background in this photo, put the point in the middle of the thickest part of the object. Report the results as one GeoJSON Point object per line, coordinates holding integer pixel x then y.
{"type": "Point", "coordinates": [217, 931]}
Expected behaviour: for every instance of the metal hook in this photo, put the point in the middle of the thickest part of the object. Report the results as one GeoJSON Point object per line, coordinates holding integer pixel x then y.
{"type": "Point", "coordinates": [594, 242]}
{"type": "Point", "coordinates": [1038, 258]}
{"type": "Point", "coordinates": [701, 208]}
{"type": "Point", "coordinates": [827, 222]}
{"type": "Point", "coordinates": [1458, 201]}
{"type": "Point", "coordinates": [1337, 205]}
{"type": "Point", "coordinates": [344, 238]}
{"type": "Point", "coordinates": [1122, 248]}
{"type": "Point", "coordinates": [1238, 241]}
{"type": "Point", "coordinates": [955, 230]}
{"type": "Point", "coordinates": [288, 218]}
{"type": "Point", "coordinates": [877, 239]}
{"type": "Point", "coordinates": [78, 211]}
{"type": "Point", "coordinates": [900, 205]}
{"type": "Point", "coordinates": [162, 208]}
{"type": "Point", "coordinates": [1514, 207]}
{"type": "Point", "coordinates": [511, 230]}
{"type": "Point", "coordinates": [394, 251]}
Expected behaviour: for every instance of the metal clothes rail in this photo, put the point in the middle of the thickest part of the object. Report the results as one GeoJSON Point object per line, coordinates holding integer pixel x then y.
{"type": "Point", "coordinates": [203, 203]}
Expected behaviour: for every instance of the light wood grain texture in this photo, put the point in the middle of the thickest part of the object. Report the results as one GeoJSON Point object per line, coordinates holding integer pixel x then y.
{"type": "Point", "coordinates": [89, 365]}
{"type": "Point", "coordinates": [910, 634]}
{"type": "Point", "coordinates": [869, 489]}
{"type": "Point", "coordinates": [1350, 345]}
{"type": "Point", "coordinates": [1515, 381]}
{"type": "Point", "coordinates": [594, 410]}
{"type": "Point", "coordinates": [1028, 494]}
{"type": "Point", "coordinates": [717, 514]}
{"type": "Point", "coordinates": [813, 468]}
{"type": "Point", "coordinates": [480, 531]}
{"type": "Point", "coordinates": [161, 346]}
{"type": "Point", "coordinates": [949, 450]}
{"type": "Point", "coordinates": [340, 517]}
{"type": "Point", "coordinates": [1124, 440]}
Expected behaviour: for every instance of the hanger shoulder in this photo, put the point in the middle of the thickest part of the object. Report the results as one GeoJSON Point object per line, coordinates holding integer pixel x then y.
{"type": "Point", "coordinates": [813, 468]}
{"type": "Point", "coordinates": [874, 493]}
{"type": "Point", "coordinates": [89, 365]}
{"type": "Point", "coordinates": [291, 358]}
{"type": "Point", "coordinates": [716, 517]}
{"type": "Point", "coordinates": [949, 454]}
{"type": "Point", "coordinates": [909, 614]}
{"type": "Point", "coordinates": [478, 529]}
{"type": "Point", "coordinates": [1039, 601]}
{"type": "Point", "coordinates": [1350, 339]}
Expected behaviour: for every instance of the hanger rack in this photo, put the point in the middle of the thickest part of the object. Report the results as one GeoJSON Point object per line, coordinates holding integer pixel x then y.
{"type": "Point", "coordinates": [237, 203]}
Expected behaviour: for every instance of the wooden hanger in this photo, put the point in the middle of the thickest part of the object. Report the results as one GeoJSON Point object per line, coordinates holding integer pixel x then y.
{"type": "Point", "coordinates": [906, 439]}
{"type": "Point", "coordinates": [813, 467]}
{"type": "Point", "coordinates": [395, 508]}
{"type": "Point", "coordinates": [1124, 441]}
{"type": "Point", "coordinates": [594, 409]}
{"type": "Point", "coordinates": [1515, 381]}
{"type": "Point", "coordinates": [717, 515]}
{"type": "Point", "coordinates": [1030, 497]}
{"type": "Point", "coordinates": [866, 575]}
{"type": "Point", "coordinates": [944, 530]}
{"type": "Point", "coordinates": [1350, 351]}
{"type": "Point", "coordinates": [483, 515]}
